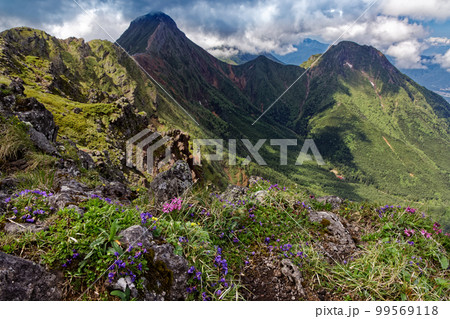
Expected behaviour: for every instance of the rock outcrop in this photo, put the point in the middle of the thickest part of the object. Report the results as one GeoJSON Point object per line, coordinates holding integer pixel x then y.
{"type": "Point", "coordinates": [166, 278]}
{"type": "Point", "coordinates": [336, 241]}
{"type": "Point", "coordinates": [23, 280]}
{"type": "Point", "coordinates": [171, 183]}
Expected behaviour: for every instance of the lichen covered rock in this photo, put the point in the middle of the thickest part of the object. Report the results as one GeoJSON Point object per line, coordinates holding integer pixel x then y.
{"type": "Point", "coordinates": [171, 183]}
{"type": "Point", "coordinates": [23, 280]}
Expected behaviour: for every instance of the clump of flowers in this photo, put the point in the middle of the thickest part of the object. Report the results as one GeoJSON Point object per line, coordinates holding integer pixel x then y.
{"type": "Point", "coordinates": [410, 210]}
{"type": "Point", "coordinates": [425, 233]}
{"type": "Point", "coordinates": [28, 206]}
{"type": "Point", "coordinates": [148, 217]}
{"type": "Point", "coordinates": [274, 186]}
{"type": "Point", "coordinates": [174, 204]}
{"type": "Point", "coordinates": [436, 228]}
{"type": "Point", "coordinates": [197, 278]}
{"type": "Point", "coordinates": [131, 266]}
{"type": "Point", "coordinates": [74, 256]}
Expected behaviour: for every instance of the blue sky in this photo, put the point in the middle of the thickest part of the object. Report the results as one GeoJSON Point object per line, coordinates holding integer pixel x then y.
{"type": "Point", "coordinates": [404, 29]}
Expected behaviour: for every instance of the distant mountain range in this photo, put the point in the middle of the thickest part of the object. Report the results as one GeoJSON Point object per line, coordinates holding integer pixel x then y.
{"type": "Point", "coordinates": [383, 133]}
{"type": "Point", "coordinates": [373, 124]}
{"type": "Point", "coordinates": [433, 77]}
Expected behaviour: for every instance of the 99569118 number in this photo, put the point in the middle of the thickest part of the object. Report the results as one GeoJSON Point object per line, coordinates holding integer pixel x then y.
{"type": "Point", "coordinates": [406, 310]}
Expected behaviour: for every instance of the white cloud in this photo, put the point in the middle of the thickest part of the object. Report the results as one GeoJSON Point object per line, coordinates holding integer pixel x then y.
{"type": "Point", "coordinates": [89, 24]}
{"type": "Point", "coordinates": [443, 60]}
{"type": "Point", "coordinates": [380, 32]}
{"type": "Point", "coordinates": [420, 9]}
{"type": "Point", "coordinates": [223, 52]}
{"type": "Point", "coordinates": [438, 41]}
{"type": "Point", "coordinates": [407, 54]}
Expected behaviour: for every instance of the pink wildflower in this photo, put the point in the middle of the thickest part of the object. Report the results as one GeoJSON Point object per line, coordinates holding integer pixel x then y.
{"type": "Point", "coordinates": [436, 228]}
{"type": "Point", "coordinates": [174, 204]}
{"type": "Point", "coordinates": [410, 210]}
{"type": "Point", "coordinates": [425, 233]}
{"type": "Point", "coordinates": [409, 232]}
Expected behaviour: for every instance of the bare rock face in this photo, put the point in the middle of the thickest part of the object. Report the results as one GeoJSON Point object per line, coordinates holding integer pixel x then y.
{"type": "Point", "coordinates": [167, 277]}
{"type": "Point", "coordinates": [23, 280]}
{"type": "Point", "coordinates": [32, 111]}
{"type": "Point", "coordinates": [336, 241]}
{"type": "Point", "coordinates": [171, 183]}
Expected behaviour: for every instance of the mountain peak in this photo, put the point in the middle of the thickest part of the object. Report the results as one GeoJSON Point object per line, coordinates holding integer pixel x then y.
{"type": "Point", "coordinates": [136, 38]}
{"type": "Point", "coordinates": [153, 16]}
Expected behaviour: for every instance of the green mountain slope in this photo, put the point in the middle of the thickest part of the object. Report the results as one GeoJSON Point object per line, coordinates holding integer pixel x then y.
{"type": "Point", "coordinates": [382, 135]}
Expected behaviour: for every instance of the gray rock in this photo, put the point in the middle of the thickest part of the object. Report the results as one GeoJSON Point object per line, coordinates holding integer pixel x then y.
{"type": "Point", "coordinates": [34, 112]}
{"type": "Point", "coordinates": [42, 142]}
{"type": "Point", "coordinates": [179, 267]}
{"type": "Point", "coordinates": [23, 280]}
{"type": "Point", "coordinates": [15, 228]}
{"type": "Point", "coordinates": [68, 192]}
{"type": "Point", "coordinates": [16, 86]}
{"type": "Point", "coordinates": [122, 285]}
{"type": "Point", "coordinates": [86, 160]}
{"type": "Point", "coordinates": [114, 190]}
{"type": "Point", "coordinates": [260, 195]}
{"type": "Point", "coordinates": [171, 183]}
{"type": "Point", "coordinates": [233, 193]}
{"type": "Point", "coordinates": [173, 272]}
{"type": "Point", "coordinates": [333, 200]}
{"type": "Point", "coordinates": [9, 183]}
{"type": "Point", "coordinates": [136, 234]}
{"type": "Point", "coordinates": [337, 242]}
{"type": "Point", "coordinates": [293, 273]}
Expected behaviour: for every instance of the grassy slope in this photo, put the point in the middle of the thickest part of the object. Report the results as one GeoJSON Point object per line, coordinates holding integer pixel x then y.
{"type": "Point", "coordinates": [248, 234]}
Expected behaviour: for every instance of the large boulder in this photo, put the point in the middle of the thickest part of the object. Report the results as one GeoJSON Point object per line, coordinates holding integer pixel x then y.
{"type": "Point", "coordinates": [42, 142]}
{"type": "Point", "coordinates": [136, 234]}
{"type": "Point", "coordinates": [23, 280]}
{"type": "Point", "coordinates": [336, 241]}
{"type": "Point", "coordinates": [171, 183]}
{"type": "Point", "coordinates": [32, 111]}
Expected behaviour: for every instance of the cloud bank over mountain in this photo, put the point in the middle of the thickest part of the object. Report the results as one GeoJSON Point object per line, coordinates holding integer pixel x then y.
{"type": "Point", "coordinates": [400, 28]}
